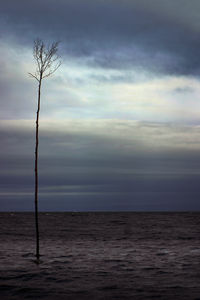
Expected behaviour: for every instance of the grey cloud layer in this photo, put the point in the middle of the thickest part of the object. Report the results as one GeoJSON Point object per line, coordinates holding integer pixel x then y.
{"type": "Point", "coordinates": [113, 34]}
{"type": "Point", "coordinates": [113, 167]}
{"type": "Point", "coordinates": [101, 164]}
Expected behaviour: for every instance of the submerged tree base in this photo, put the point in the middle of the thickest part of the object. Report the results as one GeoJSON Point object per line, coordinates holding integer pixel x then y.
{"type": "Point", "coordinates": [94, 256]}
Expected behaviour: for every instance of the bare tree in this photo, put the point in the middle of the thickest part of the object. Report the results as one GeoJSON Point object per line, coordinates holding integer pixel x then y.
{"type": "Point", "coordinates": [47, 62]}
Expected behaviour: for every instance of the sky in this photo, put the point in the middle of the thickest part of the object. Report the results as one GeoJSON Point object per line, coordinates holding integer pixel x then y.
{"type": "Point", "coordinates": [120, 119]}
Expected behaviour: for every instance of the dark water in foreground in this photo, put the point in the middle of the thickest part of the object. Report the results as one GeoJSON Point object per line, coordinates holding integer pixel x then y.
{"type": "Point", "coordinates": [101, 256]}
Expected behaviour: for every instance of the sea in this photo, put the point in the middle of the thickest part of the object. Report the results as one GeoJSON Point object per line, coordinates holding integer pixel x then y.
{"type": "Point", "coordinates": [100, 255]}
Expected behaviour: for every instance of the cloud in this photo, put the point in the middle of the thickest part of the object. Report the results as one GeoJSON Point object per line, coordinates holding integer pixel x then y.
{"type": "Point", "coordinates": [79, 90]}
{"type": "Point", "coordinates": [100, 164]}
{"type": "Point", "coordinates": [112, 131]}
{"type": "Point", "coordinates": [184, 90]}
{"type": "Point", "coordinates": [101, 143]}
{"type": "Point", "coordinates": [113, 34]}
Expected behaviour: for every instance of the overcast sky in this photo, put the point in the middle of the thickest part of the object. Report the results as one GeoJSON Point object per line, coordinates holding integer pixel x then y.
{"type": "Point", "coordinates": [120, 119]}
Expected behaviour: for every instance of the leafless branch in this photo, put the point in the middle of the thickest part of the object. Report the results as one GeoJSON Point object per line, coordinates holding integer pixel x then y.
{"type": "Point", "coordinates": [34, 76]}
{"type": "Point", "coordinates": [47, 59]}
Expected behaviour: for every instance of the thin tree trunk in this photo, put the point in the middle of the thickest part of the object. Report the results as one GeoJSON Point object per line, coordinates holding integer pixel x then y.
{"type": "Point", "coordinates": [46, 64]}
{"type": "Point", "coordinates": [36, 174]}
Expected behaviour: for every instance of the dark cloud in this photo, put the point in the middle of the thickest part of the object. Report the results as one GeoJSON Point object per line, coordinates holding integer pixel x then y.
{"type": "Point", "coordinates": [114, 34]}
{"type": "Point", "coordinates": [83, 170]}
{"type": "Point", "coordinates": [184, 90]}
{"type": "Point", "coordinates": [99, 164]}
